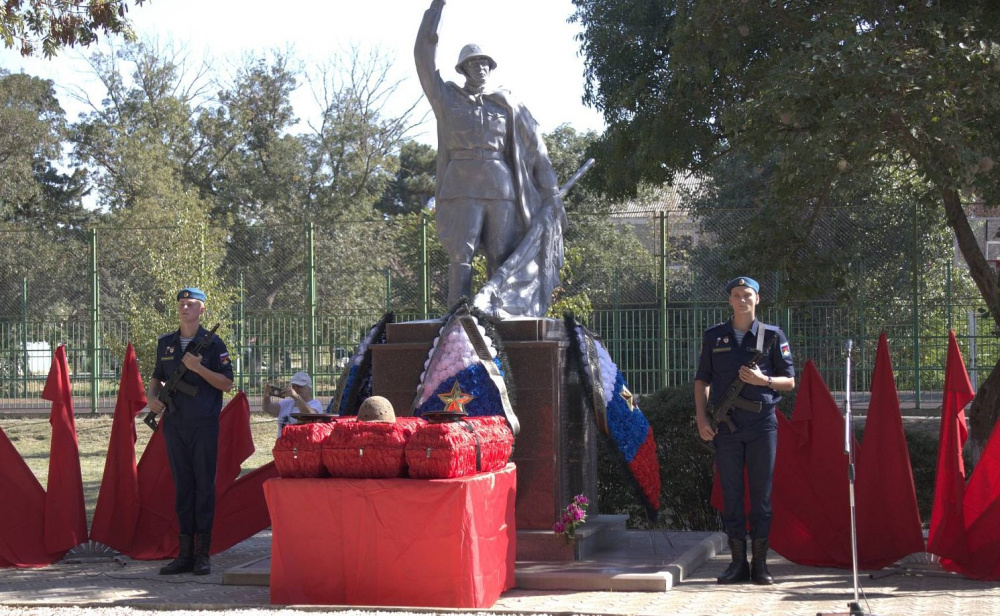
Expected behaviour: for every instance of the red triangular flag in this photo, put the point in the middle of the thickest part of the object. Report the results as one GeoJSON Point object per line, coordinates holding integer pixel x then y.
{"type": "Point", "coordinates": [947, 537]}
{"type": "Point", "coordinates": [65, 512]}
{"type": "Point", "coordinates": [812, 479]}
{"type": "Point", "coordinates": [982, 515]}
{"type": "Point", "coordinates": [888, 519]}
{"type": "Point", "coordinates": [156, 530]}
{"type": "Point", "coordinates": [22, 512]}
{"type": "Point", "coordinates": [242, 511]}
{"type": "Point", "coordinates": [796, 522]}
{"type": "Point", "coordinates": [118, 500]}
{"type": "Point", "coordinates": [235, 443]}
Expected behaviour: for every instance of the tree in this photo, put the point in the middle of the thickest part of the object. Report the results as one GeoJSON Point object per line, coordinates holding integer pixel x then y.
{"type": "Point", "coordinates": [62, 23]}
{"type": "Point", "coordinates": [42, 204]}
{"type": "Point", "coordinates": [834, 92]}
{"type": "Point", "coordinates": [32, 128]}
{"type": "Point", "coordinates": [413, 187]}
{"type": "Point", "coordinates": [156, 233]}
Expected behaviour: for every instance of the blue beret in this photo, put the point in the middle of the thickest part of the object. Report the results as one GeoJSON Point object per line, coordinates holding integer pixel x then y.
{"type": "Point", "coordinates": [743, 281]}
{"type": "Point", "coordinates": [191, 293]}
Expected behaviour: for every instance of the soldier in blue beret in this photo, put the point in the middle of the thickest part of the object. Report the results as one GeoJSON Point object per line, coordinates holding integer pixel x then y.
{"type": "Point", "coordinates": [191, 433]}
{"type": "Point", "coordinates": [748, 438]}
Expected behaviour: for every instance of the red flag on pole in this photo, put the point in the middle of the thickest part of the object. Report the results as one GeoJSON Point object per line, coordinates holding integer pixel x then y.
{"type": "Point", "coordinates": [242, 510]}
{"type": "Point", "coordinates": [811, 523]}
{"type": "Point", "coordinates": [118, 501]}
{"type": "Point", "coordinates": [235, 443]}
{"type": "Point", "coordinates": [22, 512]}
{"type": "Point", "coordinates": [947, 537]}
{"type": "Point", "coordinates": [982, 515]}
{"type": "Point", "coordinates": [65, 512]}
{"type": "Point", "coordinates": [888, 519]}
{"type": "Point", "coordinates": [156, 529]}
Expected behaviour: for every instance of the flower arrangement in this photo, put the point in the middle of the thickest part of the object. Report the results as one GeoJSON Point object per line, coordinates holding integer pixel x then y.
{"type": "Point", "coordinates": [573, 516]}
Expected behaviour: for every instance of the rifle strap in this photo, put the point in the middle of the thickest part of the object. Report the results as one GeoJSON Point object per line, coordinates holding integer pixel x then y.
{"type": "Point", "coordinates": [761, 332]}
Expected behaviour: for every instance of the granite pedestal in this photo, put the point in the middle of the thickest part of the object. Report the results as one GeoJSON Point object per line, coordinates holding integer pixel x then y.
{"type": "Point", "coordinates": [555, 452]}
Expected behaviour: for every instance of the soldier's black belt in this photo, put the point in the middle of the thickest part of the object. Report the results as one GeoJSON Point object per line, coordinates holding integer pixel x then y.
{"type": "Point", "coordinates": [476, 154]}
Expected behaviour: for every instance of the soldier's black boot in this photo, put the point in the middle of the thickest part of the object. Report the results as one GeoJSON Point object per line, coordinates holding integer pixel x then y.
{"type": "Point", "coordinates": [185, 559]}
{"type": "Point", "coordinates": [758, 571]}
{"type": "Point", "coordinates": [738, 570]}
{"type": "Point", "coordinates": [202, 566]}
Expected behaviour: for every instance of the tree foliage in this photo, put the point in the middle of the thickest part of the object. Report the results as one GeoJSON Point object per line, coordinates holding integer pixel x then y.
{"type": "Point", "coordinates": [831, 95]}
{"type": "Point", "coordinates": [55, 24]}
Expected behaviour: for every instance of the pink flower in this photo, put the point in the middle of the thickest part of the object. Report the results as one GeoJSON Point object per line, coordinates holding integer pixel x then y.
{"type": "Point", "coordinates": [559, 527]}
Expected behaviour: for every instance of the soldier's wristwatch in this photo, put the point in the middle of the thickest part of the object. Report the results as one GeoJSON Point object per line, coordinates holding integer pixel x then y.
{"type": "Point", "coordinates": [768, 381]}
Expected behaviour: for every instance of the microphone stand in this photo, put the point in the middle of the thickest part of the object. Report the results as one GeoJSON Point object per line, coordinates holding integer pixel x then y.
{"type": "Point", "coordinates": [854, 606]}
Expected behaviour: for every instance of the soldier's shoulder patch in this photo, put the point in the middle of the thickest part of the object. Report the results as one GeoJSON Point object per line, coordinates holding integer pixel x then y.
{"type": "Point", "coordinates": [786, 351]}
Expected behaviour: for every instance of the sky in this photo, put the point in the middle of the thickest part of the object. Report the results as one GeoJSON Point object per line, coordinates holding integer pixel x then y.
{"type": "Point", "coordinates": [535, 48]}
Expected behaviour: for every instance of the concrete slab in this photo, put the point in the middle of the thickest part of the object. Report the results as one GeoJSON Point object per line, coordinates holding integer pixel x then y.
{"type": "Point", "coordinates": [624, 561]}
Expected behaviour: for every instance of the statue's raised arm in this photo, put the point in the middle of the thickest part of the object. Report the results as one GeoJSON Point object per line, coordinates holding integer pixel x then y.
{"type": "Point", "coordinates": [494, 180]}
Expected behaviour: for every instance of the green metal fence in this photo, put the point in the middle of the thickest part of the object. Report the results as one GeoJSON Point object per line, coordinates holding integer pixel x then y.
{"type": "Point", "coordinates": [650, 317]}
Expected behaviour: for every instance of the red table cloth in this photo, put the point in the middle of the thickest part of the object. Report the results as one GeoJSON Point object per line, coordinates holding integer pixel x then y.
{"type": "Point", "coordinates": [393, 542]}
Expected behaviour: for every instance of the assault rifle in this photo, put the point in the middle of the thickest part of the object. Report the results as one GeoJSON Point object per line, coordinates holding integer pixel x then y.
{"type": "Point", "coordinates": [175, 383]}
{"type": "Point", "coordinates": [723, 411]}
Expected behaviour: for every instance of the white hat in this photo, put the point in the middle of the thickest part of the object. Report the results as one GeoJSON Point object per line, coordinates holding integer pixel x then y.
{"type": "Point", "coordinates": [302, 378]}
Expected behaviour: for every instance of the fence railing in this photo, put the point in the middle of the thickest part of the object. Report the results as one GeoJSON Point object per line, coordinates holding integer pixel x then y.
{"type": "Point", "coordinates": [653, 347]}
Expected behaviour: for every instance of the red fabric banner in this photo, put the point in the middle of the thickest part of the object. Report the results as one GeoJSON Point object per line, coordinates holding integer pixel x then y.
{"type": "Point", "coordinates": [156, 529]}
{"type": "Point", "coordinates": [982, 515]}
{"type": "Point", "coordinates": [235, 443]}
{"type": "Point", "coordinates": [947, 537]}
{"type": "Point", "coordinates": [811, 500]}
{"type": "Point", "coordinates": [799, 522]}
{"type": "Point", "coordinates": [393, 542]}
{"type": "Point", "coordinates": [242, 511]}
{"type": "Point", "coordinates": [118, 500]}
{"type": "Point", "coordinates": [65, 512]}
{"type": "Point", "coordinates": [22, 512]}
{"type": "Point", "coordinates": [888, 519]}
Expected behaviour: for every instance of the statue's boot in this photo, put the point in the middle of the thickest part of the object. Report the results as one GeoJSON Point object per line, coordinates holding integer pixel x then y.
{"type": "Point", "coordinates": [459, 282]}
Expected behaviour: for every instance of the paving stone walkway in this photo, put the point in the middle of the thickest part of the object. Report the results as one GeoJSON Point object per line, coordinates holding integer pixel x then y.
{"type": "Point", "coordinates": [107, 586]}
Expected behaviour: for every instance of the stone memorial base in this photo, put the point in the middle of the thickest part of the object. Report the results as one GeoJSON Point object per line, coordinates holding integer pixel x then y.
{"type": "Point", "coordinates": [555, 452]}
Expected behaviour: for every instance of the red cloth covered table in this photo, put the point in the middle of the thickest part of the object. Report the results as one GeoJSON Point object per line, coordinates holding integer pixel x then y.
{"type": "Point", "coordinates": [393, 542]}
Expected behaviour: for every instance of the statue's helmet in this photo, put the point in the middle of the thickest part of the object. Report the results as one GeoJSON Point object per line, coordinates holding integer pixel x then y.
{"type": "Point", "coordinates": [471, 52]}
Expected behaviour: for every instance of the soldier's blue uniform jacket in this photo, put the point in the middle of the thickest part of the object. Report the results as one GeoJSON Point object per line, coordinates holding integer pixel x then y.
{"type": "Point", "coordinates": [722, 356]}
{"type": "Point", "coordinates": [204, 407]}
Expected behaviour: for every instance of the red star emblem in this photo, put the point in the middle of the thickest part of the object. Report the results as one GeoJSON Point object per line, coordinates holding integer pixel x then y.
{"type": "Point", "coordinates": [455, 401]}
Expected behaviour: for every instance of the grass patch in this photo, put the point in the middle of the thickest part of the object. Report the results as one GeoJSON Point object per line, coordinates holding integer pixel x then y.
{"type": "Point", "coordinates": [32, 434]}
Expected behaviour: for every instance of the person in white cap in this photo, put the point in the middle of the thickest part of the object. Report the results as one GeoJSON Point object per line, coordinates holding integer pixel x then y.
{"type": "Point", "coordinates": [296, 398]}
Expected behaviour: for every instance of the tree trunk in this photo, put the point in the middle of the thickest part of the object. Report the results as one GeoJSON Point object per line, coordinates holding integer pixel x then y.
{"type": "Point", "coordinates": [984, 410]}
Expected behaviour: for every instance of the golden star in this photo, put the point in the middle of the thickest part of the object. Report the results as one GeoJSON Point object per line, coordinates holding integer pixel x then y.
{"type": "Point", "coordinates": [455, 401]}
{"type": "Point", "coordinates": [628, 397]}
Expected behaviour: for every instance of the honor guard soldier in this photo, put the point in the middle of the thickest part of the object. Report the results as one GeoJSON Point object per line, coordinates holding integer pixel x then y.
{"type": "Point", "coordinates": [735, 400]}
{"type": "Point", "coordinates": [191, 426]}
